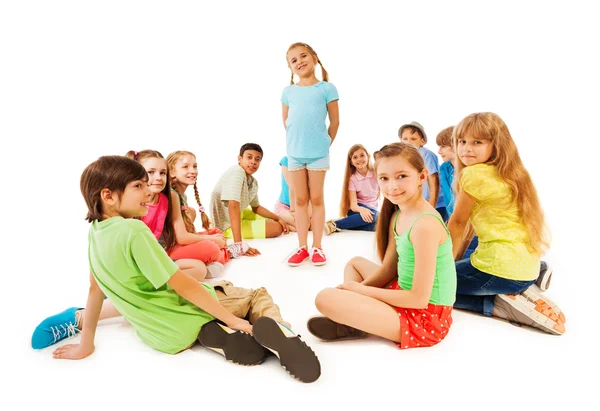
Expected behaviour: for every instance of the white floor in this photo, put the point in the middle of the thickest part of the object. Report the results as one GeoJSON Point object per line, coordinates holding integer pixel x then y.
{"type": "Point", "coordinates": [483, 363]}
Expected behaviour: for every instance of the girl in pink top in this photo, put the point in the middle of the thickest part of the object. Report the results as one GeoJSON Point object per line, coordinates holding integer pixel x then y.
{"type": "Point", "coordinates": [164, 219]}
{"type": "Point", "coordinates": [360, 194]}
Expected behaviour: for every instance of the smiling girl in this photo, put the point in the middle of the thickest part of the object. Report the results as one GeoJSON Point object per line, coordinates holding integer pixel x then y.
{"type": "Point", "coordinates": [360, 194]}
{"type": "Point", "coordinates": [408, 298]}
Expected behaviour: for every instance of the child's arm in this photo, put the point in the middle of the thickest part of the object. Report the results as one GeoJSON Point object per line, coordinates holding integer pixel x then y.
{"type": "Point", "coordinates": [426, 235]}
{"type": "Point", "coordinates": [194, 292]}
{"type": "Point", "coordinates": [458, 223]}
{"type": "Point", "coordinates": [182, 236]}
{"type": "Point", "coordinates": [284, 110]}
{"type": "Point", "coordinates": [91, 315]}
{"type": "Point", "coordinates": [261, 211]}
{"type": "Point", "coordinates": [365, 213]}
{"type": "Point", "coordinates": [389, 266]}
{"type": "Point", "coordinates": [434, 188]}
{"type": "Point", "coordinates": [334, 119]}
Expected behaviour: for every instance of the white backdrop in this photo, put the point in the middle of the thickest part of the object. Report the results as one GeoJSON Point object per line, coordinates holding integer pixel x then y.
{"type": "Point", "coordinates": [80, 79]}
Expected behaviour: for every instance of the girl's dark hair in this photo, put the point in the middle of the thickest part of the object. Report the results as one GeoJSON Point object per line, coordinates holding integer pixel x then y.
{"type": "Point", "coordinates": [111, 172]}
{"type": "Point", "coordinates": [251, 146]}
{"type": "Point", "coordinates": [168, 232]}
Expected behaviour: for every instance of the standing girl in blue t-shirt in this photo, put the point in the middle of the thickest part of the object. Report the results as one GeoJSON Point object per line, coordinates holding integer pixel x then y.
{"type": "Point", "coordinates": [306, 106]}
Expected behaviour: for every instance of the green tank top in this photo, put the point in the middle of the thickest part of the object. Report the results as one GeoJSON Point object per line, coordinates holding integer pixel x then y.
{"type": "Point", "coordinates": [444, 283]}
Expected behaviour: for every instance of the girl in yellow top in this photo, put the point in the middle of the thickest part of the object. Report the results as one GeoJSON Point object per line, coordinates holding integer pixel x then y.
{"type": "Point", "coordinates": [497, 201]}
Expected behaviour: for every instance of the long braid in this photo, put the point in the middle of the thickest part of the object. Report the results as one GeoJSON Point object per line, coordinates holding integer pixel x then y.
{"type": "Point", "coordinates": [205, 219]}
{"type": "Point", "coordinates": [292, 79]}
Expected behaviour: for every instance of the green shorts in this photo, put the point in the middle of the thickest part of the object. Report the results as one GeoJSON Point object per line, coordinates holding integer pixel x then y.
{"type": "Point", "coordinates": [253, 225]}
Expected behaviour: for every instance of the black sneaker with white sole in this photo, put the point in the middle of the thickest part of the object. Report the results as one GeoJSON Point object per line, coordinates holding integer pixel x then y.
{"type": "Point", "coordinates": [235, 346]}
{"type": "Point", "coordinates": [294, 355]}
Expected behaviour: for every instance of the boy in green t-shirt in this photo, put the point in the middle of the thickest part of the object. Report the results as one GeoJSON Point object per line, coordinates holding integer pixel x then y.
{"type": "Point", "coordinates": [168, 309]}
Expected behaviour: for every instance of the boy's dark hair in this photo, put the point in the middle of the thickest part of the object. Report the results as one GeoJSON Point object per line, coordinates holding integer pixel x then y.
{"type": "Point", "coordinates": [250, 146]}
{"type": "Point", "coordinates": [444, 137]}
{"type": "Point", "coordinates": [112, 172]}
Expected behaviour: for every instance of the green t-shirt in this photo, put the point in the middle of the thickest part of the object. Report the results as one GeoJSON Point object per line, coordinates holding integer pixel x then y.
{"type": "Point", "coordinates": [444, 282]}
{"type": "Point", "coordinates": [132, 269]}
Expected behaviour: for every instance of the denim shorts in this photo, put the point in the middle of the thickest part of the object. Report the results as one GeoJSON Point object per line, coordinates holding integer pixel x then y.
{"type": "Point", "coordinates": [313, 164]}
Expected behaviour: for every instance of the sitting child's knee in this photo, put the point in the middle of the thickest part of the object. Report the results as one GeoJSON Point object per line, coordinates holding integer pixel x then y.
{"type": "Point", "coordinates": [323, 299]}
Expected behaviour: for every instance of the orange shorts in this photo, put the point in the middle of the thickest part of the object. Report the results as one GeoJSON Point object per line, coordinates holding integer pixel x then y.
{"type": "Point", "coordinates": [422, 327]}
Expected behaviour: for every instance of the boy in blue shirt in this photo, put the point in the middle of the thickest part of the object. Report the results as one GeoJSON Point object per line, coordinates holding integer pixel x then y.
{"type": "Point", "coordinates": [446, 151]}
{"type": "Point", "coordinates": [414, 134]}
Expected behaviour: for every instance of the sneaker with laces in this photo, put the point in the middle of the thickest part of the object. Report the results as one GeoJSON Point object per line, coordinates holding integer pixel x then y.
{"type": "Point", "coordinates": [318, 257]}
{"type": "Point", "coordinates": [330, 227]}
{"type": "Point", "coordinates": [300, 256]}
{"type": "Point", "coordinates": [528, 309]}
{"type": "Point", "coordinates": [56, 328]}
{"type": "Point", "coordinates": [215, 270]}
{"type": "Point", "coordinates": [234, 345]}
{"type": "Point", "coordinates": [237, 250]}
{"type": "Point", "coordinates": [295, 356]}
{"type": "Point", "coordinates": [543, 280]}
{"type": "Point", "coordinates": [328, 330]}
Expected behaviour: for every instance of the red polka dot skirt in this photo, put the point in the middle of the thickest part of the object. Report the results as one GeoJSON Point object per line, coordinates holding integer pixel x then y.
{"type": "Point", "coordinates": [422, 327]}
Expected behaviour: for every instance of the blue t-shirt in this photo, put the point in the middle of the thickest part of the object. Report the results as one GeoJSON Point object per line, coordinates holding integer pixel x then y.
{"type": "Point", "coordinates": [306, 131]}
{"type": "Point", "coordinates": [432, 165]}
{"type": "Point", "coordinates": [284, 197]}
{"type": "Point", "coordinates": [446, 178]}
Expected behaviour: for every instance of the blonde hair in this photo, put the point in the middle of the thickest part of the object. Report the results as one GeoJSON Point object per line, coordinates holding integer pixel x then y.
{"type": "Point", "coordinates": [414, 158]}
{"type": "Point", "coordinates": [172, 159]}
{"type": "Point", "coordinates": [505, 157]}
{"type": "Point", "coordinates": [350, 170]}
{"type": "Point", "coordinates": [312, 52]}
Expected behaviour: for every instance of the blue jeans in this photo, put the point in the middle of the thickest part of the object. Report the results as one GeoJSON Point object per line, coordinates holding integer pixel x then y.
{"type": "Point", "coordinates": [476, 290]}
{"type": "Point", "coordinates": [443, 213]}
{"type": "Point", "coordinates": [471, 248]}
{"type": "Point", "coordinates": [355, 222]}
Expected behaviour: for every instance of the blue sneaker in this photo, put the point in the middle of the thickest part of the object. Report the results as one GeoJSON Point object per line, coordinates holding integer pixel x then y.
{"type": "Point", "coordinates": [56, 328]}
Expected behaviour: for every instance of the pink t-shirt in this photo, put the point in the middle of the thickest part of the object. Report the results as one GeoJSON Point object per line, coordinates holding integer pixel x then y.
{"type": "Point", "coordinates": [157, 213]}
{"type": "Point", "coordinates": [366, 187]}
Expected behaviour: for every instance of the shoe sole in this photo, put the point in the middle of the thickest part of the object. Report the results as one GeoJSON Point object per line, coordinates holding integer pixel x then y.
{"type": "Point", "coordinates": [535, 293]}
{"type": "Point", "coordinates": [235, 346]}
{"type": "Point", "coordinates": [294, 355]}
{"type": "Point", "coordinates": [319, 264]}
{"type": "Point", "coordinates": [297, 264]}
{"type": "Point", "coordinates": [533, 312]}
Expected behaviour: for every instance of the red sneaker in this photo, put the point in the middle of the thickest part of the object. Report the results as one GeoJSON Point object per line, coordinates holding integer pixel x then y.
{"type": "Point", "coordinates": [318, 257]}
{"type": "Point", "coordinates": [300, 256]}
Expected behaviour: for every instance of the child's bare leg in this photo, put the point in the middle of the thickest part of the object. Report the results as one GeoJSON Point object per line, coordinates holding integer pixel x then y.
{"type": "Point", "coordinates": [108, 311]}
{"type": "Point", "coordinates": [299, 182]}
{"type": "Point", "coordinates": [194, 268]}
{"type": "Point", "coordinates": [316, 181]}
{"type": "Point", "coordinates": [273, 229]}
{"type": "Point", "coordinates": [359, 311]}
{"type": "Point", "coordinates": [359, 269]}
{"type": "Point", "coordinates": [289, 219]}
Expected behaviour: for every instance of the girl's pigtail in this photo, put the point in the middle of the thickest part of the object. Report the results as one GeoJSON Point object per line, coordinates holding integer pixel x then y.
{"type": "Point", "coordinates": [324, 72]}
{"type": "Point", "coordinates": [203, 215]}
{"type": "Point", "coordinates": [292, 79]}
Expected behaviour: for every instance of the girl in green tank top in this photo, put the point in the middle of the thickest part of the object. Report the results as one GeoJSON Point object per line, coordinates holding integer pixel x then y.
{"type": "Point", "coordinates": [408, 298]}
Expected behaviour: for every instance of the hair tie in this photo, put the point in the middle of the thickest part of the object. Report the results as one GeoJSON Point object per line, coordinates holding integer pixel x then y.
{"type": "Point", "coordinates": [135, 153]}
{"type": "Point", "coordinates": [184, 207]}
{"type": "Point", "coordinates": [202, 209]}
